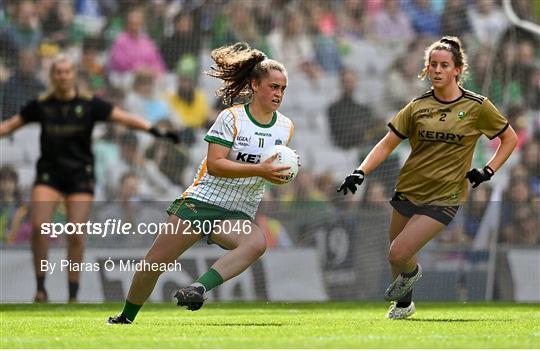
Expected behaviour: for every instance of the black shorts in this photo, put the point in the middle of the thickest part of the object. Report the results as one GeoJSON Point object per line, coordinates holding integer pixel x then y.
{"type": "Point", "coordinates": [67, 184]}
{"type": "Point", "coordinates": [443, 214]}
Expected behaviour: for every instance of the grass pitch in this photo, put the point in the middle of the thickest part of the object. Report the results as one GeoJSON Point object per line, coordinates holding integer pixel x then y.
{"type": "Point", "coordinates": [272, 325]}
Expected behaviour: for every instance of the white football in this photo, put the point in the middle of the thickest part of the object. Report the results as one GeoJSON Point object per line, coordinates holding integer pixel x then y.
{"type": "Point", "coordinates": [286, 157]}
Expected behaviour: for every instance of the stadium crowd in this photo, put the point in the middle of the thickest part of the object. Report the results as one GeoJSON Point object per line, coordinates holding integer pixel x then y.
{"type": "Point", "coordinates": [352, 64]}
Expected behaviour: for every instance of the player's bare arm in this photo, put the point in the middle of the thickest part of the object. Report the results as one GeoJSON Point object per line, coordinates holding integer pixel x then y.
{"type": "Point", "coordinates": [9, 126]}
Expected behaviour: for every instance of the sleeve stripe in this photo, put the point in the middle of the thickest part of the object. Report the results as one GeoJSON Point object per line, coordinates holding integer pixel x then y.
{"type": "Point", "coordinates": [202, 172]}
{"type": "Point", "coordinates": [501, 131]}
{"type": "Point", "coordinates": [393, 129]}
{"type": "Point", "coordinates": [216, 140]}
{"type": "Point", "coordinates": [235, 131]}
{"type": "Point", "coordinates": [291, 133]}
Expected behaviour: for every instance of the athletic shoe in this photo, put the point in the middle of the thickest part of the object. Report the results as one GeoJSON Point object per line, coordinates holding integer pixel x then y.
{"type": "Point", "coordinates": [190, 296]}
{"type": "Point", "coordinates": [120, 319]}
{"type": "Point", "coordinates": [400, 312]}
{"type": "Point", "coordinates": [401, 286]}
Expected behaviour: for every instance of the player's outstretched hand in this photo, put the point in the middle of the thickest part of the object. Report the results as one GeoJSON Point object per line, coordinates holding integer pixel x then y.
{"type": "Point", "coordinates": [170, 135]}
{"type": "Point", "coordinates": [477, 176]}
{"type": "Point", "coordinates": [352, 180]}
{"type": "Point", "coordinates": [272, 173]}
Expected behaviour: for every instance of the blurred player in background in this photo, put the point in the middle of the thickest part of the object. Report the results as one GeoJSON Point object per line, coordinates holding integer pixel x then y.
{"type": "Point", "coordinates": [443, 126]}
{"type": "Point", "coordinates": [229, 184]}
{"type": "Point", "coordinates": [66, 166]}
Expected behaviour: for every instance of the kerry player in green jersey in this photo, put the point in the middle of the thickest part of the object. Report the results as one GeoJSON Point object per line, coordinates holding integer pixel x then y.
{"type": "Point", "coordinates": [442, 126]}
{"type": "Point", "coordinates": [229, 184]}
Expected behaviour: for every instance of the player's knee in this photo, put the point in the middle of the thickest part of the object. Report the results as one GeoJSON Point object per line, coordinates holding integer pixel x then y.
{"type": "Point", "coordinates": [257, 247]}
{"type": "Point", "coordinates": [397, 256]}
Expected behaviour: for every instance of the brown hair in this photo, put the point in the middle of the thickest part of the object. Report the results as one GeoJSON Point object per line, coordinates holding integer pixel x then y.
{"type": "Point", "coordinates": [453, 45]}
{"type": "Point", "coordinates": [237, 65]}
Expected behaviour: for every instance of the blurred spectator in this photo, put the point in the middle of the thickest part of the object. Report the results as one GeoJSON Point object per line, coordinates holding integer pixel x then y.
{"type": "Point", "coordinates": [370, 8]}
{"type": "Point", "coordinates": [129, 188]}
{"type": "Point", "coordinates": [263, 11]}
{"type": "Point", "coordinates": [324, 26]}
{"type": "Point", "coordinates": [171, 160]}
{"type": "Point", "coordinates": [143, 100]}
{"type": "Point", "coordinates": [156, 20]}
{"type": "Point", "coordinates": [305, 204]}
{"type": "Point", "coordinates": [8, 11]}
{"type": "Point", "coordinates": [14, 221]}
{"type": "Point", "coordinates": [88, 7]}
{"type": "Point", "coordinates": [524, 66]}
{"type": "Point", "coordinates": [23, 85]}
{"type": "Point", "coordinates": [243, 26]}
{"type": "Point", "coordinates": [153, 184]}
{"type": "Point", "coordinates": [474, 210]}
{"type": "Point", "coordinates": [326, 184]}
{"type": "Point", "coordinates": [237, 22]}
{"type": "Point", "coordinates": [454, 20]}
{"type": "Point", "coordinates": [376, 196]}
{"type": "Point", "coordinates": [189, 105]}
{"type": "Point", "coordinates": [66, 31]}
{"type": "Point", "coordinates": [358, 50]}
{"type": "Point", "coordinates": [533, 99]}
{"type": "Point", "coordinates": [530, 158]}
{"type": "Point", "coordinates": [124, 203]}
{"type": "Point", "coordinates": [487, 78]}
{"type": "Point", "coordinates": [351, 124]}
{"type": "Point", "coordinates": [23, 33]}
{"type": "Point", "coordinates": [106, 152]}
{"type": "Point", "coordinates": [352, 16]}
{"type": "Point", "coordinates": [185, 40]}
{"type": "Point", "coordinates": [290, 43]}
{"type": "Point", "coordinates": [424, 19]}
{"type": "Point", "coordinates": [91, 67]}
{"type": "Point", "coordinates": [47, 12]}
{"type": "Point", "coordinates": [488, 21]}
{"type": "Point", "coordinates": [392, 24]}
{"type": "Point", "coordinates": [221, 33]}
{"type": "Point", "coordinates": [517, 117]}
{"type": "Point", "coordinates": [133, 49]}
{"type": "Point", "coordinates": [520, 215]}
{"type": "Point", "coordinates": [128, 206]}
{"type": "Point", "coordinates": [402, 84]}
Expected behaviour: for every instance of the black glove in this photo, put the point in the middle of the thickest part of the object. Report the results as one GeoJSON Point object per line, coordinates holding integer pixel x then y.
{"type": "Point", "coordinates": [477, 176]}
{"type": "Point", "coordinates": [172, 136]}
{"type": "Point", "coordinates": [352, 180]}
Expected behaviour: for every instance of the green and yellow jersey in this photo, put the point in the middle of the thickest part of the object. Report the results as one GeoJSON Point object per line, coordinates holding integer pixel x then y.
{"type": "Point", "coordinates": [443, 136]}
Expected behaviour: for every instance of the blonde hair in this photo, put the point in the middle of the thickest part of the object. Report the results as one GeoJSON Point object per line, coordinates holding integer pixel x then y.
{"type": "Point", "coordinates": [60, 58]}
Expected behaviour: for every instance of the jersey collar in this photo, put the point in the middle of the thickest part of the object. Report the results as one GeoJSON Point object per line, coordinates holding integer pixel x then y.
{"type": "Point", "coordinates": [448, 102]}
{"type": "Point", "coordinates": [270, 124]}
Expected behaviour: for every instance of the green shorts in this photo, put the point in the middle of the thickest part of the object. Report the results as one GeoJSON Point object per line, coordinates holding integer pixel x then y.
{"type": "Point", "coordinates": [199, 213]}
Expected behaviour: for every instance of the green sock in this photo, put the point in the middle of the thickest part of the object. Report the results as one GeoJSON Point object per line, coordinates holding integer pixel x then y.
{"type": "Point", "coordinates": [130, 310]}
{"type": "Point", "coordinates": [210, 279]}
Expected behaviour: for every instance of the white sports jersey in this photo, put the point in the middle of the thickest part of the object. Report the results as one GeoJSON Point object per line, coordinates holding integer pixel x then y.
{"type": "Point", "coordinates": [247, 139]}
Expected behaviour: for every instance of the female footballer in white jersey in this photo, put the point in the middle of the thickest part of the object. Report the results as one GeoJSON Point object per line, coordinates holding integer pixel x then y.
{"type": "Point", "coordinates": [442, 126]}
{"type": "Point", "coordinates": [229, 184]}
